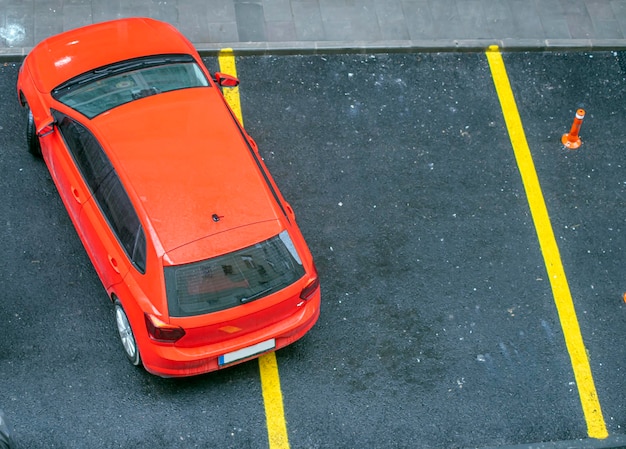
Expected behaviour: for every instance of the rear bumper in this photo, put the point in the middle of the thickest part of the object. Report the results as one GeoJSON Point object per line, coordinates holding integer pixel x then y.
{"type": "Point", "coordinates": [170, 361]}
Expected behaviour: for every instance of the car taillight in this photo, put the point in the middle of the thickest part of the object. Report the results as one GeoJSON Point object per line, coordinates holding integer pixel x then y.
{"type": "Point", "coordinates": [163, 332]}
{"type": "Point", "coordinates": [310, 289]}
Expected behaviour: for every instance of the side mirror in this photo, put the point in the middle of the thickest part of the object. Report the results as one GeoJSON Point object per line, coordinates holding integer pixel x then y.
{"type": "Point", "coordinates": [47, 127]}
{"type": "Point", "coordinates": [225, 80]}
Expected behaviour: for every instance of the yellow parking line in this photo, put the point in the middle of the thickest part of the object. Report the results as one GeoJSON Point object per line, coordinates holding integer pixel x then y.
{"type": "Point", "coordinates": [273, 398]}
{"type": "Point", "coordinates": [268, 366]}
{"type": "Point", "coordinates": [596, 427]}
{"type": "Point", "coordinates": [227, 65]}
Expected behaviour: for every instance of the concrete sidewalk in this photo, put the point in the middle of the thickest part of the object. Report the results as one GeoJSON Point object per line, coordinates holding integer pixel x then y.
{"type": "Point", "coordinates": [274, 26]}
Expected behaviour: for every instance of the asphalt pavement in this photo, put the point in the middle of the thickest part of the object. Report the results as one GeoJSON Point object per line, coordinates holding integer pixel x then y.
{"type": "Point", "coordinates": [378, 370]}
{"type": "Point", "coordinates": [438, 325]}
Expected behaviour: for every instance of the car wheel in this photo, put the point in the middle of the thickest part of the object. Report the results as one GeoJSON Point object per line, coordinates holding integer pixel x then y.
{"type": "Point", "coordinates": [126, 334]}
{"type": "Point", "coordinates": [6, 442]}
{"type": "Point", "coordinates": [32, 141]}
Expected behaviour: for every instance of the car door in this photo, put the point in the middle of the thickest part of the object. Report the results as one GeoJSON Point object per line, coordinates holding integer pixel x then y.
{"type": "Point", "coordinates": [121, 243]}
{"type": "Point", "coordinates": [108, 257]}
{"type": "Point", "coordinates": [58, 153]}
{"type": "Point", "coordinates": [85, 175]}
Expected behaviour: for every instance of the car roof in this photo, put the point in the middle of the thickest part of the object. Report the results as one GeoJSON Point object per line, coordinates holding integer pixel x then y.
{"type": "Point", "coordinates": [186, 160]}
{"type": "Point", "coordinates": [77, 51]}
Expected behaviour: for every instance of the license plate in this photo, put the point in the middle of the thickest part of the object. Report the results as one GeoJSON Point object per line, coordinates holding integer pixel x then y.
{"type": "Point", "coordinates": [249, 351]}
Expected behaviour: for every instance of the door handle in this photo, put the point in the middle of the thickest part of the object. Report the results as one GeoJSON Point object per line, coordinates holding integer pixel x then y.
{"type": "Point", "coordinates": [114, 264]}
{"type": "Point", "coordinates": [76, 194]}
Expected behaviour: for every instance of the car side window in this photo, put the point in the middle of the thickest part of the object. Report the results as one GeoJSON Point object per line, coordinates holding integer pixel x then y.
{"type": "Point", "coordinates": [118, 209]}
{"type": "Point", "coordinates": [90, 159]}
{"type": "Point", "coordinates": [106, 187]}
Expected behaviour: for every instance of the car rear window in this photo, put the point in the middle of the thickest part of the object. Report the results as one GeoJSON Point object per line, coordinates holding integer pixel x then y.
{"type": "Point", "coordinates": [233, 279]}
{"type": "Point", "coordinates": [105, 88]}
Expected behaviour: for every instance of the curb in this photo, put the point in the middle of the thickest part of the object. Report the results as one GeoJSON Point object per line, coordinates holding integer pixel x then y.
{"type": "Point", "coordinates": [412, 46]}
{"type": "Point", "coordinates": [405, 46]}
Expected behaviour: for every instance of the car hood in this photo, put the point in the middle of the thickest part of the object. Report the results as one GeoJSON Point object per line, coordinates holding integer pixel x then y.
{"type": "Point", "coordinates": [191, 170]}
{"type": "Point", "coordinates": [77, 51]}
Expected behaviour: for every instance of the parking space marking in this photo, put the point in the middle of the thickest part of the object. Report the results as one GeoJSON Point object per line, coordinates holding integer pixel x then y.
{"type": "Point", "coordinates": [596, 427]}
{"type": "Point", "coordinates": [273, 399]}
{"type": "Point", "coordinates": [226, 59]}
{"type": "Point", "coordinates": [268, 366]}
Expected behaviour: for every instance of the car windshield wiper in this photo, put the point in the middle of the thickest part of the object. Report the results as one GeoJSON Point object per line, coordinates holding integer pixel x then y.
{"type": "Point", "coordinates": [257, 295]}
{"type": "Point", "coordinates": [121, 67]}
{"type": "Point", "coordinates": [127, 66]}
{"type": "Point", "coordinates": [112, 70]}
{"type": "Point", "coordinates": [104, 72]}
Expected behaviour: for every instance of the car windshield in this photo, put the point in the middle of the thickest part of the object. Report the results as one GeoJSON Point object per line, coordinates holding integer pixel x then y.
{"type": "Point", "coordinates": [233, 279]}
{"type": "Point", "coordinates": [105, 88]}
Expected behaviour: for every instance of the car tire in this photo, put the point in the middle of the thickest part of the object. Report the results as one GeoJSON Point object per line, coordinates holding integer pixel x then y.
{"type": "Point", "coordinates": [32, 141]}
{"type": "Point", "coordinates": [6, 442]}
{"type": "Point", "coordinates": [127, 337]}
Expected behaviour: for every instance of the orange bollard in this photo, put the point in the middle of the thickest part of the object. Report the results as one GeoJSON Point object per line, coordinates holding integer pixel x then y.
{"type": "Point", "coordinates": [572, 140]}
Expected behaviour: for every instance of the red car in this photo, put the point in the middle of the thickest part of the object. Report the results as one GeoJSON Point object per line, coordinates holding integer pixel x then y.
{"type": "Point", "coordinates": [187, 230]}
